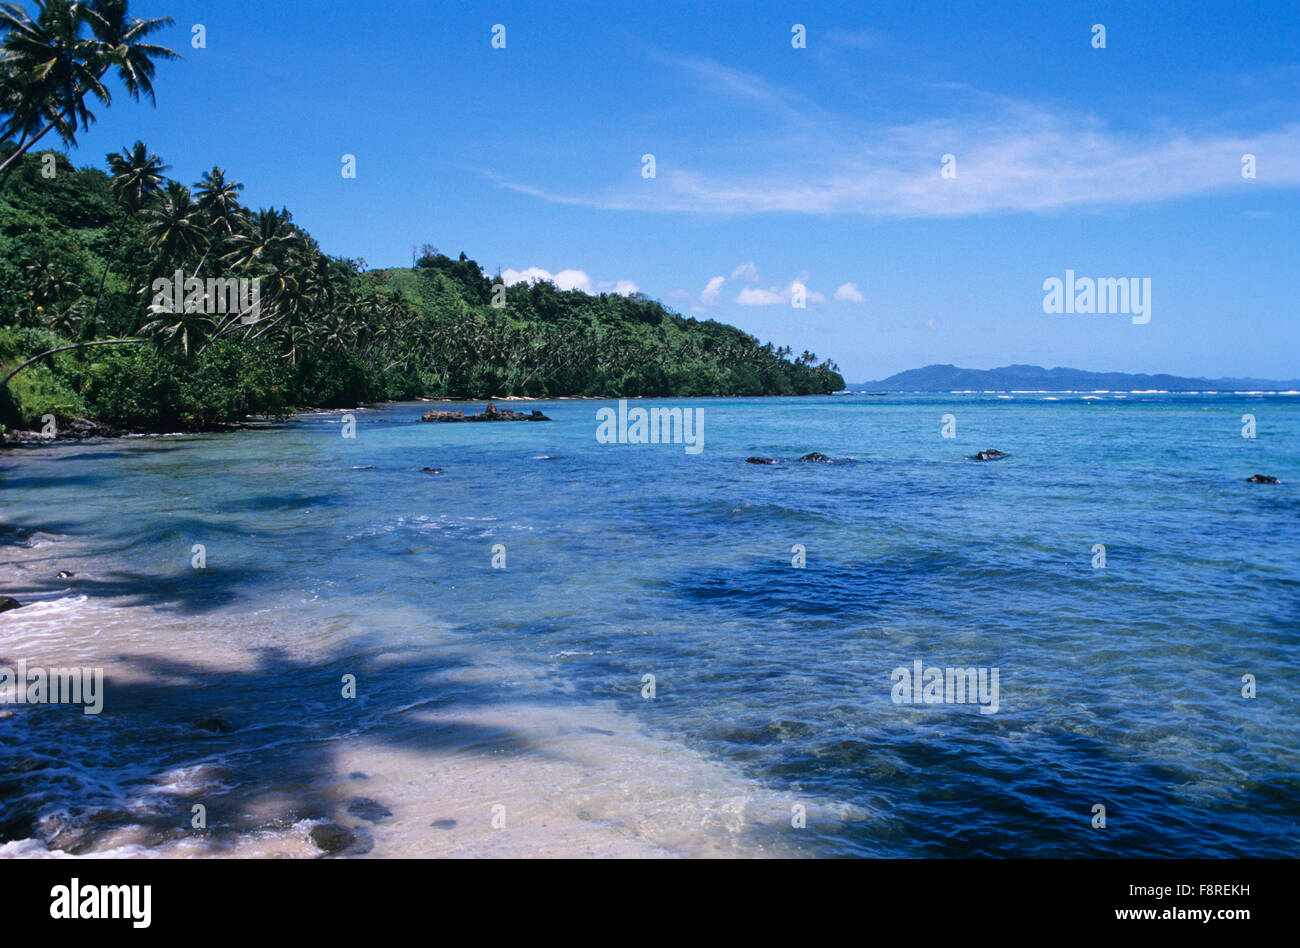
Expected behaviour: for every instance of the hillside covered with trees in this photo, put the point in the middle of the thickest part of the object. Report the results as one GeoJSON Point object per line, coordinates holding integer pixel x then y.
{"type": "Point", "coordinates": [83, 251]}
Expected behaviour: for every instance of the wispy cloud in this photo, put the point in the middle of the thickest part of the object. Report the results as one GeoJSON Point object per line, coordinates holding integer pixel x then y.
{"type": "Point", "coordinates": [1011, 156]}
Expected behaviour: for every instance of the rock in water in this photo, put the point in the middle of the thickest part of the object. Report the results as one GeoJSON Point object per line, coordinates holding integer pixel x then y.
{"type": "Point", "coordinates": [431, 470]}
{"type": "Point", "coordinates": [816, 458]}
{"type": "Point", "coordinates": [435, 414]}
{"type": "Point", "coordinates": [214, 725]}
{"type": "Point", "coordinates": [370, 810]}
{"type": "Point", "coordinates": [331, 837]}
{"type": "Point", "coordinates": [64, 574]}
{"type": "Point", "coordinates": [1253, 479]}
{"type": "Point", "coordinates": [491, 413]}
{"type": "Point", "coordinates": [989, 454]}
{"type": "Point", "coordinates": [757, 460]}
{"type": "Point", "coordinates": [6, 604]}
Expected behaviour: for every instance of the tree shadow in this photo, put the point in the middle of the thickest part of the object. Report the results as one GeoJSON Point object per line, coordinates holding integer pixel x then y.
{"type": "Point", "coordinates": [258, 746]}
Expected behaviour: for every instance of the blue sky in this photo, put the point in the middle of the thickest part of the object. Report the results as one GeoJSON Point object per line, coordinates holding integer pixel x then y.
{"type": "Point", "coordinates": [777, 165]}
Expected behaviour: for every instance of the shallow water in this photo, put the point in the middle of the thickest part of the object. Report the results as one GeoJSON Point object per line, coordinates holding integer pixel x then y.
{"type": "Point", "coordinates": [522, 687]}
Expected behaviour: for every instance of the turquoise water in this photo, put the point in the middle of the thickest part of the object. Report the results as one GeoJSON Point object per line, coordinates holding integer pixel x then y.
{"type": "Point", "coordinates": [1119, 686]}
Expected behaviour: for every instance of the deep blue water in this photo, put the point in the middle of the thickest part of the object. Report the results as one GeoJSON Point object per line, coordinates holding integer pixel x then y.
{"type": "Point", "coordinates": [1119, 686]}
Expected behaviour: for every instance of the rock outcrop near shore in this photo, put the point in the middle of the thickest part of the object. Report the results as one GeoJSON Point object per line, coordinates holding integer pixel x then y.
{"type": "Point", "coordinates": [491, 413]}
{"type": "Point", "coordinates": [6, 604]}
{"type": "Point", "coordinates": [79, 429]}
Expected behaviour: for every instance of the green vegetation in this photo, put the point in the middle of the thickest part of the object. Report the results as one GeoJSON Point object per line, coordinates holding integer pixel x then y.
{"type": "Point", "coordinates": [81, 251]}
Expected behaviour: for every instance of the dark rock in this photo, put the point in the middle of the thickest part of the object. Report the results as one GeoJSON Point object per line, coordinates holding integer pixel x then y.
{"type": "Point", "coordinates": [757, 460]}
{"type": "Point", "coordinates": [490, 413]}
{"type": "Point", "coordinates": [6, 604]}
{"type": "Point", "coordinates": [332, 837]}
{"type": "Point", "coordinates": [1253, 479]}
{"type": "Point", "coordinates": [24, 437]}
{"type": "Point", "coordinates": [64, 574]}
{"type": "Point", "coordinates": [214, 725]}
{"type": "Point", "coordinates": [370, 810]}
{"type": "Point", "coordinates": [816, 458]}
{"type": "Point", "coordinates": [431, 470]}
{"type": "Point", "coordinates": [989, 454]}
{"type": "Point", "coordinates": [435, 414]}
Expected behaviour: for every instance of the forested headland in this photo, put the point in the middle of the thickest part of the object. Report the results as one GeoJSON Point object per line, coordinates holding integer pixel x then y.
{"type": "Point", "coordinates": [83, 251]}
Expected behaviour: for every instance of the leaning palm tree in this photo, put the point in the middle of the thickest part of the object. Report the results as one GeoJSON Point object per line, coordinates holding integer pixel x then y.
{"type": "Point", "coordinates": [55, 64]}
{"type": "Point", "coordinates": [265, 239]}
{"type": "Point", "coordinates": [182, 328]}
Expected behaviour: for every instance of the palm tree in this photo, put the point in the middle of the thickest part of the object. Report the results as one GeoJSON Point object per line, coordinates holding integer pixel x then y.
{"type": "Point", "coordinates": [54, 66]}
{"type": "Point", "coordinates": [218, 199]}
{"type": "Point", "coordinates": [175, 228]}
{"type": "Point", "coordinates": [137, 175]}
{"type": "Point", "coordinates": [265, 240]}
{"type": "Point", "coordinates": [185, 329]}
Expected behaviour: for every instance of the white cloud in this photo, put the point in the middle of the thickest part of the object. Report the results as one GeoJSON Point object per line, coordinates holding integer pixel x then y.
{"type": "Point", "coordinates": [747, 270]}
{"type": "Point", "coordinates": [753, 296]}
{"type": "Point", "coordinates": [848, 293]}
{"type": "Point", "coordinates": [710, 294]}
{"type": "Point", "coordinates": [756, 296]}
{"type": "Point", "coordinates": [531, 275]}
{"type": "Point", "coordinates": [568, 280]}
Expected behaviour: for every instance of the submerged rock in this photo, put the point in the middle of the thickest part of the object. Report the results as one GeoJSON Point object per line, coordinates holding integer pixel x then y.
{"type": "Point", "coordinates": [816, 458]}
{"type": "Point", "coordinates": [989, 454]}
{"type": "Point", "coordinates": [758, 460]}
{"type": "Point", "coordinates": [1262, 479]}
{"type": "Point", "coordinates": [491, 413]}
{"type": "Point", "coordinates": [214, 725]}
{"type": "Point", "coordinates": [370, 810]}
{"type": "Point", "coordinates": [332, 837]}
{"type": "Point", "coordinates": [431, 470]}
{"type": "Point", "coordinates": [6, 603]}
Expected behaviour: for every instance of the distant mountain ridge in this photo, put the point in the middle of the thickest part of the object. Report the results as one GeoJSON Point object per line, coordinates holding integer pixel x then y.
{"type": "Point", "coordinates": [948, 378]}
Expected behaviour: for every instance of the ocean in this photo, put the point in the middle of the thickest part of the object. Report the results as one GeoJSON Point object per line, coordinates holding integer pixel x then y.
{"type": "Point", "coordinates": [556, 646]}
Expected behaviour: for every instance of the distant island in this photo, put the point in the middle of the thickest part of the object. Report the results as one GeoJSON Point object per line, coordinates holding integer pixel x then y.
{"type": "Point", "coordinates": [1035, 378]}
